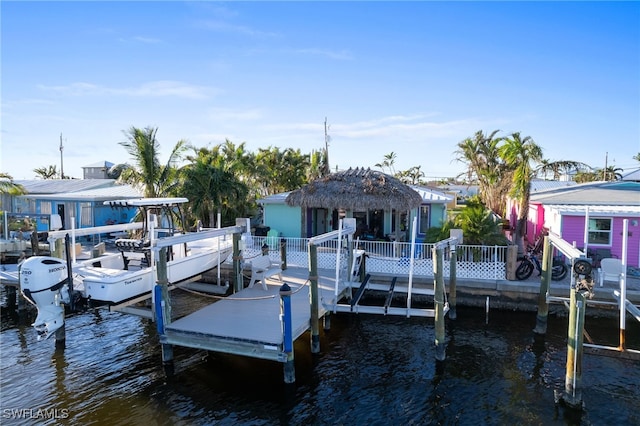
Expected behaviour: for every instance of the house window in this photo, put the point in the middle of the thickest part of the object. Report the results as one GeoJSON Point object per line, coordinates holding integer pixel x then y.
{"type": "Point", "coordinates": [600, 231]}
{"type": "Point", "coordinates": [424, 219]}
{"type": "Point", "coordinates": [45, 207]}
{"type": "Point", "coordinates": [86, 215]}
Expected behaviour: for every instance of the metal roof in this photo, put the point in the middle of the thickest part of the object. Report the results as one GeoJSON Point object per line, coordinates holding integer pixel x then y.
{"type": "Point", "coordinates": [430, 195]}
{"type": "Point", "coordinates": [113, 192]}
{"type": "Point", "coordinates": [106, 164]}
{"type": "Point", "coordinates": [616, 193]}
{"type": "Point", "coordinates": [573, 210]}
{"type": "Point", "coordinates": [538, 185]}
{"type": "Point", "coordinates": [58, 186]}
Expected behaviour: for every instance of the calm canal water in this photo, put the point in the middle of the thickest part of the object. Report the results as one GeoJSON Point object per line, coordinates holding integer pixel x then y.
{"type": "Point", "coordinates": [372, 370]}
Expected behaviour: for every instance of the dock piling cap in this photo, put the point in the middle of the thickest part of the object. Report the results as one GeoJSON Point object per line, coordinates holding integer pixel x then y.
{"type": "Point", "coordinates": [285, 290]}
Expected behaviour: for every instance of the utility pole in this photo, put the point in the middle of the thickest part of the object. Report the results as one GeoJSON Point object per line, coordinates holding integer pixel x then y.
{"type": "Point", "coordinates": [606, 161]}
{"type": "Point", "coordinates": [61, 163]}
{"type": "Point", "coordinates": [327, 138]}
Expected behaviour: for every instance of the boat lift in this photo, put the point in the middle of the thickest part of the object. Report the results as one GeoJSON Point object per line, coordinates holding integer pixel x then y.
{"type": "Point", "coordinates": [354, 306]}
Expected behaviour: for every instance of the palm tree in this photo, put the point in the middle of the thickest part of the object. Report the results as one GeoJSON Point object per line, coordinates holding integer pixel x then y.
{"type": "Point", "coordinates": [556, 168]}
{"type": "Point", "coordinates": [8, 186]}
{"type": "Point", "coordinates": [388, 163]}
{"type": "Point", "coordinates": [486, 167]}
{"type": "Point", "coordinates": [154, 179]}
{"type": "Point", "coordinates": [611, 173]}
{"type": "Point", "coordinates": [211, 187]}
{"type": "Point", "coordinates": [47, 172]}
{"type": "Point", "coordinates": [519, 153]}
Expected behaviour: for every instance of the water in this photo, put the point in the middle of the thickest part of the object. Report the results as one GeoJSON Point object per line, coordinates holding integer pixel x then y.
{"type": "Point", "coordinates": [372, 370]}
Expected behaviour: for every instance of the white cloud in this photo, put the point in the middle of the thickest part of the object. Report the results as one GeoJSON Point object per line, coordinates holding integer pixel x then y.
{"type": "Point", "coordinates": [152, 89]}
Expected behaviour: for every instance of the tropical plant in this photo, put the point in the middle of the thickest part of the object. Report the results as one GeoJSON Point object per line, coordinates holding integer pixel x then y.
{"type": "Point", "coordinates": [610, 173]}
{"type": "Point", "coordinates": [8, 186]}
{"type": "Point", "coordinates": [151, 177]}
{"type": "Point", "coordinates": [520, 154]}
{"type": "Point", "coordinates": [388, 163]}
{"type": "Point", "coordinates": [485, 166]}
{"type": "Point", "coordinates": [47, 172]}
{"type": "Point", "coordinates": [557, 168]}
{"type": "Point", "coordinates": [412, 176]}
{"type": "Point", "coordinates": [211, 186]}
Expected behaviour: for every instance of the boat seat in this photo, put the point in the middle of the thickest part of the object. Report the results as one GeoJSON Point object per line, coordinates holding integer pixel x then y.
{"type": "Point", "coordinates": [132, 249]}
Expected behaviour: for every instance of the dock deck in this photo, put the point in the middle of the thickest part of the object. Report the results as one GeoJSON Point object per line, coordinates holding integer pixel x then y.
{"type": "Point", "coordinates": [248, 322]}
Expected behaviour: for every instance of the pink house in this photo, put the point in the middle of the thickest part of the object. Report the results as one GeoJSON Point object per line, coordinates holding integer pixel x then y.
{"type": "Point", "coordinates": [564, 211]}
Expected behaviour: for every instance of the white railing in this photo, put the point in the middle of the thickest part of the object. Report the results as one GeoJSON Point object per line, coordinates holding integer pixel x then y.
{"type": "Point", "coordinates": [473, 261]}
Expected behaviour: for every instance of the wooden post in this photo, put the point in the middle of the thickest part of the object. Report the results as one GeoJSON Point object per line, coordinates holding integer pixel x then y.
{"type": "Point", "coordinates": [313, 278]}
{"type": "Point", "coordinates": [512, 262]}
{"type": "Point", "coordinates": [283, 254]}
{"type": "Point", "coordinates": [58, 248]}
{"type": "Point", "coordinates": [572, 395]}
{"type": "Point", "coordinates": [543, 306]}
{"type": "Point", "coordinates": [438, 300]}
{"type": "Point", "coordinates": [452, 283]}
{"type": "Point", "coordinates": [238, 280]}
{"type": "Point", "coordinates": [162, 308]}
{"type": "Point", "coordinates": [287, 329]}
{"type": "Point", "coordinates": [363, 267]}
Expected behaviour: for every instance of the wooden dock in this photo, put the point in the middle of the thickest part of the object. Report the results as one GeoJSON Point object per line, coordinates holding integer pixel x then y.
{"type": "Point", "coordinates": [249, 322]}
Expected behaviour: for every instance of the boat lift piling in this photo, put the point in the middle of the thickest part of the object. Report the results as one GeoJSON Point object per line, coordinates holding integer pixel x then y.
{"type": "Point", "coordinates": [313, 297]}
{"type": "Point", "coordinates": [438, 300]}
{"type": "Point", "coordinates": [287, 333]}
{"type": "Point", "coordinates": [543, 305]}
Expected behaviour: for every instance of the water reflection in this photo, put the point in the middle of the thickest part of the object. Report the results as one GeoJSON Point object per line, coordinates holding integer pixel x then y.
{"type": "Point", "coordinates": [371, 369]}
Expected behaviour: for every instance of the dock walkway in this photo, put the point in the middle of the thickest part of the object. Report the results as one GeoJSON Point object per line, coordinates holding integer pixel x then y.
{"type": "Point", "coordinates": [248, 322]}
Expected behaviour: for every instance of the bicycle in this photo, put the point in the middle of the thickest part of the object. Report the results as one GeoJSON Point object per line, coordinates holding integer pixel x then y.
{"type": "Point", "coordinates": [530, 261]}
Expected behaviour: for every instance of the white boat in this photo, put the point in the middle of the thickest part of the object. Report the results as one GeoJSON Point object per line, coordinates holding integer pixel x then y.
{"type": "Point", "coordinates": [128, 273]}
{"type": "Point", "coordinates": [112, 279]}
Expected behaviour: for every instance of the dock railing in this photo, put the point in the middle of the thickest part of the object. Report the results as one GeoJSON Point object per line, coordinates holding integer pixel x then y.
{"type": "Point", "coordinates": [474, 261]}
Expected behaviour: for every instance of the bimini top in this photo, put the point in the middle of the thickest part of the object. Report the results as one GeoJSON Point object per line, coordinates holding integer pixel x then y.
{"type": "Point", "coordinates": [147, 202]}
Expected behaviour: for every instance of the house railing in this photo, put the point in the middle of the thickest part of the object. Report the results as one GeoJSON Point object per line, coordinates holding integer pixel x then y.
{"type": "Point", "coordinates": [473, 261]}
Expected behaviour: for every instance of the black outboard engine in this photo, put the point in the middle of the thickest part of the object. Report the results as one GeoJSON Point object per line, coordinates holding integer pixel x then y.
{"type": "Point", "coordinates": [43, 282]}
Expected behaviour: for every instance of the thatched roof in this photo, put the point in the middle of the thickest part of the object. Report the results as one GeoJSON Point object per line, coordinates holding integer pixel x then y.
{"type": "Point", "coordinates": [356, 189]}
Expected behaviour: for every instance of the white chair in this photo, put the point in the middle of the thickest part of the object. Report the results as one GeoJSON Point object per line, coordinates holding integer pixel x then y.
{"type": "Point", "coordinates": [610, 270]}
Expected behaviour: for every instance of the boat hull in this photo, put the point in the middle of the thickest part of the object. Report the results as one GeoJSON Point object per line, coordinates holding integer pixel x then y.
{"type": "Point", "coordinates": [111, 285]}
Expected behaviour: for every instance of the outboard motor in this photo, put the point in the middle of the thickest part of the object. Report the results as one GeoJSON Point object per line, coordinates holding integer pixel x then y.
{"type": "Point", "coordinates": [43, 282]}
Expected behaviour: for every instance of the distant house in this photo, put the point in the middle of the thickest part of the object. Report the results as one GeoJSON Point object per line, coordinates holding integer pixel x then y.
{"type": "Point", "coordinates": [292, 221]}
{"type": "Point", "coordinates": [564, 211]}
{"type": "Point", "coordinates": [98, 170]}
{"type": "Point", "coordinates": [633, 175]}
{"type": "Point", "coordinates": [77, 199]}
{"type": "Point", "coordinates": [536, 213]}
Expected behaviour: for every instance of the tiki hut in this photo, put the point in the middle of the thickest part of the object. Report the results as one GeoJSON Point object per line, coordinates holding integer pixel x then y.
{"type": "Point", "coordinates": [356, 189]}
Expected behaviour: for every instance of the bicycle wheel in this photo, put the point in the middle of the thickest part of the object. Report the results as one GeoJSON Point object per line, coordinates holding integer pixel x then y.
{"type": "Point", "coordinates": [559, 271]}
{"type": "Point", "coordinates": [524, 270]}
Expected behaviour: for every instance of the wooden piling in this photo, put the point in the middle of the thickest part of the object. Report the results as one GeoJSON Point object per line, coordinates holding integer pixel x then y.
{"type": "Point", "coordinates": [238, 279]}
{"type": "Point", "coordinates": [283, 254]}
{"type": "Point", "coordinates": [314, 299]}
{"type": "Point", "coordinates": [545, 282]}
{"type": "Point", "coordinates": [452, 283]}
{"type": "Point", "coordinates": [572, 395]}
{"type": "Point", "coordinates": [287, 329]}
{"type": "Point", "coordinates": [162, 307]}
{"type": "Point", "coordinates": [438, 300]}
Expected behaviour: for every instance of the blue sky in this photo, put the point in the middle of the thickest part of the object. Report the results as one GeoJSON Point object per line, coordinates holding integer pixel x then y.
{"type": "Point", "coordinates": [413, 78]}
